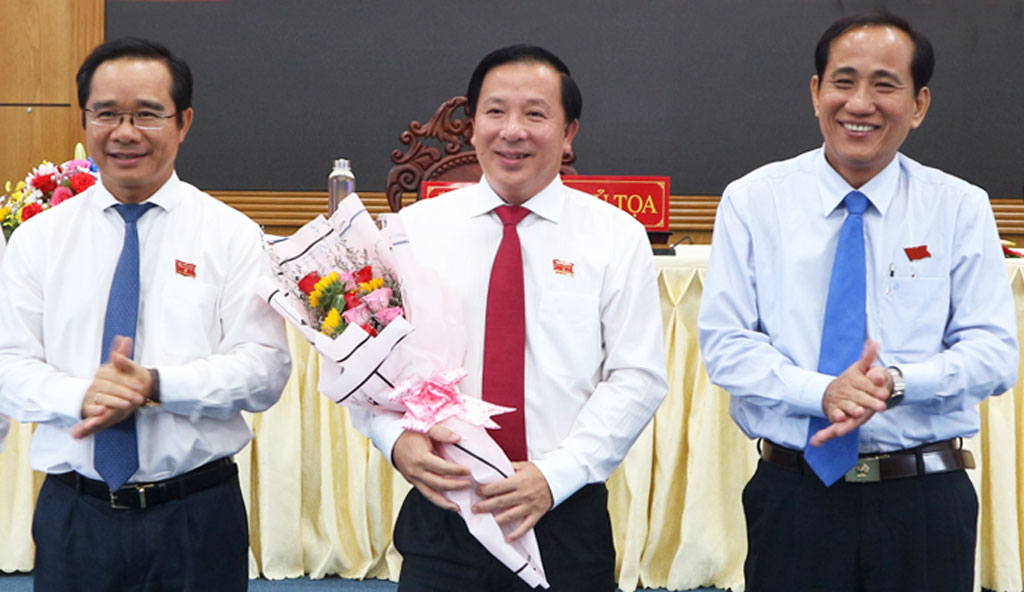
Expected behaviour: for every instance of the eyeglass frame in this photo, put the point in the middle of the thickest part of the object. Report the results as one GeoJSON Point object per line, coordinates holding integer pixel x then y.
{"type": "Point", "coordinates": [131, 118]}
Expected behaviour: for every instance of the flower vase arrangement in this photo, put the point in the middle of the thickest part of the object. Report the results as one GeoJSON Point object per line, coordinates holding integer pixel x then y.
{"type": "Point", "coordinates": [391, 340]}
{"type": "Point", "coordinates": [45, 186]}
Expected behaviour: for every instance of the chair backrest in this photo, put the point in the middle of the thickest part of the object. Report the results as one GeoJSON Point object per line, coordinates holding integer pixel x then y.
{"type": "Point", "coordinates": [451, 128]}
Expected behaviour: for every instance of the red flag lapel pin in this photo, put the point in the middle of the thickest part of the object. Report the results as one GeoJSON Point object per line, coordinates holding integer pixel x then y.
{"type": "Point", "coordinates": [562, 267]}
{"type": "Point", "coordinates": [915, 253]}
{"type": "Point", "coordinates": [184, 269]}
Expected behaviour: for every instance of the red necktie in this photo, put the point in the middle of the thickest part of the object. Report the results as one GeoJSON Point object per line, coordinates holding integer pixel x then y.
{"type": "Point", "coordinates": [505, 337]}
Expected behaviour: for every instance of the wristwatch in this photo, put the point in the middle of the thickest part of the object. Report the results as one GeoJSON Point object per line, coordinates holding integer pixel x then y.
{"type": "Point", "coordinates": [898, 388]}
{"type": "Point", "coordinates": [154, 390]}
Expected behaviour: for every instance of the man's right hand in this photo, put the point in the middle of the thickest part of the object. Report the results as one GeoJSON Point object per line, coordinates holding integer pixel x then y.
{"type": "Point", "coordinates": [113, 395]}
{"type": "Point", "coordinates": [854, 396]}
{"type": "Point", "coordinates": [415, 458]}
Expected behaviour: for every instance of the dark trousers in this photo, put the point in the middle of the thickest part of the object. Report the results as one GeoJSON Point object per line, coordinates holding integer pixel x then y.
{"type": "Point", "coordinates": [439, 554]}
{"type": "Point", "coordinates": [196, 543]}
{"type": "Point", "coordinates": [907, 534]}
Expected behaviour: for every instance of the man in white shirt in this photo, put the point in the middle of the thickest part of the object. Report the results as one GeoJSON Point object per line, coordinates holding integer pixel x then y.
{"type": "Point", "coordinates": [592, 368]}
{"type": "Point", "coordinates": [134, 338]}
{"type": "Point", "coordinates": [919, 278]}
{"type": "Point", "coordinates": [5, 424]}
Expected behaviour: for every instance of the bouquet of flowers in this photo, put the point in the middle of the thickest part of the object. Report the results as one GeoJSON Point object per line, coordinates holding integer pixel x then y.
{"type": "Point", "coordinates": [45, 186]}
{"type": "Point", "coordinates": [390, 339]}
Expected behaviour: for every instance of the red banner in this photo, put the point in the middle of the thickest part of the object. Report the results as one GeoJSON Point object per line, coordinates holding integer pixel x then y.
{"type": "Point", "coordinates": [645, 198]}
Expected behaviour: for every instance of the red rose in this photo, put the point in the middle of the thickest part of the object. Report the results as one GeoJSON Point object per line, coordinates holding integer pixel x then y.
{"type": "Point", "coordinates": [308, 283]}
{"type": "Point", "coordinates": [30, 210]}
{"type": "Point", "coordinates": [44, 183]}
{"type": "Point", "coordinates": [369, 329]}
{"type": "Point", "coordinates": [82, 181]}
{"type": "Point", "coordinates": [364, 275]}
{"type": "Point", "coordinates": [351, 299]}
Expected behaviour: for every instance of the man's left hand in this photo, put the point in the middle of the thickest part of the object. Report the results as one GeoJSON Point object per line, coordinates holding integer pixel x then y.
{"type": "Point", "coordinates": [524, 496]}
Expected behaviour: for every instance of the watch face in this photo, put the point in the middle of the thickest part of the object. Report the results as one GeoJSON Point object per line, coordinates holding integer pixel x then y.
{"type": "Point", "coordinates": [894, 400]}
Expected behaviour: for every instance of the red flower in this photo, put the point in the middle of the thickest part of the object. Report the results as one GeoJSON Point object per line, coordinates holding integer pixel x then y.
{"type": "Point", "coordinates": [30, 210]}
{"type": "Point", "coordinates": [351, 299]}
{"type": "Point", "coordinates": [369, 329]}
{"type": "Point", "coordinates": [82, 181]}
{"type": "Point", "coordinates": [44, 183]}
{"type": "Point", "coordinates": [364, 275]}
{"type": "Point", "coordinates": [308, 283]}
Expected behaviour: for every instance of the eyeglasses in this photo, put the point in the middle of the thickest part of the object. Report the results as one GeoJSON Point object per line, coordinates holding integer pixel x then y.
{"type": "Point", "coordinates": [143, 120]}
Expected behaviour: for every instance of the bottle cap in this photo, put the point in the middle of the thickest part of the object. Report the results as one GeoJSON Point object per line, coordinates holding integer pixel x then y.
{"type": "Point", "coordinates": [342, 163]}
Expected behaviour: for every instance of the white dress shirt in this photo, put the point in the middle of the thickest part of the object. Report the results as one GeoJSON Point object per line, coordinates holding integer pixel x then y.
{"type": "Point", "coordinates": [219, 349]}
{"type": "Point", "coordinates": [595, 359]}
{"type": "Point", "coordinates": [946, 320]}
{"type": "Point", "coordinates": [5, 424]}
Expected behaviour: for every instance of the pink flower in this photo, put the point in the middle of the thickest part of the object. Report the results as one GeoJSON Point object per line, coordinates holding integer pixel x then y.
{"type": "Point", "coordinates": [378, 299]}
{"type": "Point", "coordinates": [60, 194]}
{"type": "Point", "coordinates": [359, 315]}
{"type": "Point", "coordinates": [347, 280]}
{"type": "Point", "coordinates": [75, 166]}
{"type": "Point", "coordinates": [387, 315]}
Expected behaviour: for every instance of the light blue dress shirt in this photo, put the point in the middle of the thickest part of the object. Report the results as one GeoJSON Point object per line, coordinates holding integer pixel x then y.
{"type": "Point", "coordinates": [945, 319]}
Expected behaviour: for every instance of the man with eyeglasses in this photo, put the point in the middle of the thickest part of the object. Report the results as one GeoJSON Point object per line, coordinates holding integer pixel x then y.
{"type": "Point", "coordinates": [133, 338]}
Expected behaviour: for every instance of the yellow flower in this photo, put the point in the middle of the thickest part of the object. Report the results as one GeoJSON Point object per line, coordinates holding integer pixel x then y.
{"type": "Point", "coordinates": [320, 287]}
{"type": "Point", "coordinates": [371, 285]}
{"type": "Point", "coordinates": [4, 212]}
{"type": "Point", "coordinates": [331, 323]}
{"type": "Point", "coordinates": [7, 187]}
{"type": "Point", "coordinates": [19, 186]}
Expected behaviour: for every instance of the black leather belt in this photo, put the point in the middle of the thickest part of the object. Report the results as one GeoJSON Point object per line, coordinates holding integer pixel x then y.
{"type": "Point", "coordinates": [940, 457]}
{"type": "Point", "coordinates": [140, 496]}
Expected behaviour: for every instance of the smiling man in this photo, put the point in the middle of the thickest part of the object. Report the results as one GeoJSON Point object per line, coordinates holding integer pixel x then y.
{"type": "Point", "coordinates": [563, 321]}
{"type": "Point", "coordinates": [857, 309]}
{"type": "Point", "coordinates": [132, 335]}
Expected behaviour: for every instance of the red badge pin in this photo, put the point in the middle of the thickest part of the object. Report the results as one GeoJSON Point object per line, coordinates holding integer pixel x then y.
{"type": "Point", "coordinates": [185, 269]}
{"type": "Point", "coordinates": [915, 253]}
{"type": "Point", "coordinates": [562, 267]}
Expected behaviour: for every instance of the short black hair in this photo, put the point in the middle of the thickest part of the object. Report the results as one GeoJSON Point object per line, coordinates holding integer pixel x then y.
{"type": "Point", "coordinates": [921, 65]}
{"type": "Point", "coordinates": [133, 47]}
{"type": "Point", "coordinates": [572, 101]}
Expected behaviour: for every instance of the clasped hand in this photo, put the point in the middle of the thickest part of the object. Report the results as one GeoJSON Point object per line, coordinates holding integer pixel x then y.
{"type": "Point", "coordinates": [523, 497]}
{"type": "Point", "coordinates": [854, 396]}
{"type": "Point", "coordinates": [119, 388]}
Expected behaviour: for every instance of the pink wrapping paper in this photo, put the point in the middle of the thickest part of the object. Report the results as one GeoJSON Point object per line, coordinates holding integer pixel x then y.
{"type": "Point", "coordinates": [423, 349]}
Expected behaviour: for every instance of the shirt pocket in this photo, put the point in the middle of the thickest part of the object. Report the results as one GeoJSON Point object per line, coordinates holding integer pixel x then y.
{"type": "Point", "coordinates": [189, 318]}
{"type": "Point", "coordinates": [568, 340]}
{"type": "Point", "coordinates": [913, 316]}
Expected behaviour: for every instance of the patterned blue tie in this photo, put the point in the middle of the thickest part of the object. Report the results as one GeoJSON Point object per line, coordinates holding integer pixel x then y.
{"type": "Point", "coordinates": [116, 448]}
{"type": "Point", "coordinates": [842, 338]}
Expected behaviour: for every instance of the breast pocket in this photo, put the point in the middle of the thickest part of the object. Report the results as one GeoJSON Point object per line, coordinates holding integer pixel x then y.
{"type": "Point", "coordinates": [569, 335]}
{"type": "Point", "coordinates": [190, 317]}
{"type": "Point", "coordinates": [914, 315]}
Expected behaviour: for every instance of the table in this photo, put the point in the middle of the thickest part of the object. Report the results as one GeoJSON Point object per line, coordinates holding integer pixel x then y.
{"type": "Point", "coordinates": [322, 501]}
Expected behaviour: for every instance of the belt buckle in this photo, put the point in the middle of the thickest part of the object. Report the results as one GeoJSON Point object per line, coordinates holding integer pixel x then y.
{"type": "Point", "coordinates": [139, 489]}
{"type": "Point", "coordinates": [114, 504]}
{"type": "Point", "coordinates": [865, 471]}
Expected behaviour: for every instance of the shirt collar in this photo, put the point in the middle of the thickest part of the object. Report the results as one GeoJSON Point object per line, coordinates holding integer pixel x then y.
{"type": "Point", "coordinates": [167, 197]}
{"type": "Point", "coordinates": [879, 190]}
{"type": "Point", "coordinates": [547, 203]}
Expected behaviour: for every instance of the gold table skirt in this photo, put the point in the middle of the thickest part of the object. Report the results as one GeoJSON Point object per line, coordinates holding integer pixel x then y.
{"type": "Point", "coordinates": [322, 500]}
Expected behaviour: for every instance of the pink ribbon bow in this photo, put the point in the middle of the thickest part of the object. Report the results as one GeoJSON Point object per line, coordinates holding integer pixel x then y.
{"type": "Point", "coordinates": [437, 398]}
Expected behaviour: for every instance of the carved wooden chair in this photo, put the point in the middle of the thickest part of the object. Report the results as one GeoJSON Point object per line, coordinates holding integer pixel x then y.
{"type": "Point", "coordinates": [452, 128]}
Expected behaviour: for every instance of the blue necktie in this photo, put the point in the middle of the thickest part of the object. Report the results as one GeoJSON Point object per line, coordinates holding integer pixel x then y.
{"type": "Point", "coordinates": [116, 448]}
{"type": "Point", "coordinates": [842, 338]}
